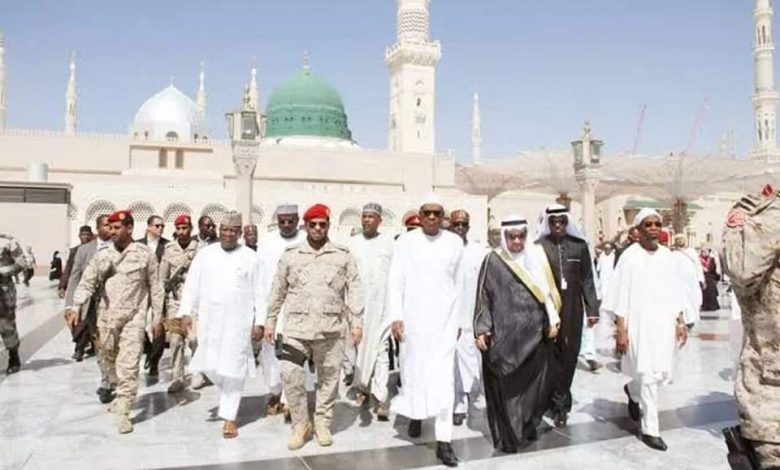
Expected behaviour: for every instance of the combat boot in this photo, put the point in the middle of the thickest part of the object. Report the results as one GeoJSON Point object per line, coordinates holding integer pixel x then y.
{"type": "Point", "coordinates": [299, 435]}
{"type": "Point", "coordinates": [14, 363]}
{"type": "Point", "coordinates": [121, 410]}
{"type": "Point", "coordinates": [324, 437]}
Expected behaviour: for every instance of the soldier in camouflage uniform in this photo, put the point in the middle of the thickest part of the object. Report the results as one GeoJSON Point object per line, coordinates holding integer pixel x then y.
{"type": "Point", "coordinates": [175, 263]}
{"type": "Point", "coordinates": [751, 251]}
{"type": "Point", "coordinates": [13, 260]}
{"type": "Point", "coordinates": [127, 272]}
{"type": "Point", "coordinates": [317, 282]}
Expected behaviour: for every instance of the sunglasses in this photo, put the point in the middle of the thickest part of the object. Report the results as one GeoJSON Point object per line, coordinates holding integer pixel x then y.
{"type": "Point", "coordinates": [460, 224]}
{"type": "Point", "coordinates": [516, 236]}
{"type": "Point", "coordinates": [428, 213]}
{"type": "Point", "coordinates": [653, 224]}
{"type": "Point", "coordinates": [317, 224]}
{"type": "Point", "coordinates": [158, 225]}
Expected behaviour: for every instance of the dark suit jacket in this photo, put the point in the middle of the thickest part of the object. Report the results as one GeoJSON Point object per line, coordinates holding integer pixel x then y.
{"type": "Point", "coordinates": [160, 246]}
{"type": "Point", "coordinates": [68, 266]}
{"type": "Point", "coordinates": [84, 255]}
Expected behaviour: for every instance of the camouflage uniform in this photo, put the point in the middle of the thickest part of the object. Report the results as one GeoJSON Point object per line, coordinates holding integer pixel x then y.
{"type": "Point", "coordinates": [751, 252]}
{"type": "Point", "coordinates": [319, 289]}
{"type": "Point", "coordinates": [129, 281]}
{"type": "Point", "coordinates": [173, 272]}
{"type": "Point", "coordinates": [13, 260]}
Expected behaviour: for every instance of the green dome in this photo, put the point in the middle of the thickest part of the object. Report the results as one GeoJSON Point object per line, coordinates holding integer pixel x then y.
{"type": "Point", "coordinates": [306, 105]}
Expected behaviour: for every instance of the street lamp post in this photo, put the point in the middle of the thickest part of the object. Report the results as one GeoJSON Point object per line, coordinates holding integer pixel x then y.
{"type": "Point", "coordinates": [244, 131]}
{"type": "Point", "coordinates": [587, 171]}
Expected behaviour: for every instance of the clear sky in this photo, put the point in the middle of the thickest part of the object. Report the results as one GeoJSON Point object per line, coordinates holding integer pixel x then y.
{"type": "Point", "coordinates": [541, 66]}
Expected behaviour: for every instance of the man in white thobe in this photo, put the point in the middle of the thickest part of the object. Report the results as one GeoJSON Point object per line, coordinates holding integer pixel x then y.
{"type": "Point", "coordinates": [373, 252]}
{"type": "Point", "coordinates": [646, 298]}
{"type": "Point", "coordinates": [691, 278]}
{"type": "Point", "coordinates": [424, 295]}
{"type": "Point", "coordinates": [270, 249]}
{"type": "Point", "coordinates": [468, 363]}
{"type": "Point", "coordinates": [223, 290]}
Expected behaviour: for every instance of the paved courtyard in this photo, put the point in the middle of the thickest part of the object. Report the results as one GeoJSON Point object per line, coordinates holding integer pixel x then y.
{"type": "Point", "coordinates": [50, 417]}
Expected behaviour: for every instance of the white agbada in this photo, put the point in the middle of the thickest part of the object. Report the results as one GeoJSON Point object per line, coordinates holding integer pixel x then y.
{"type": "Point", "coordinates": [468, 358]}
{"type": "Point", "coordinates": [221, 289]}
{"type": "Point", "coordinates": [690, 276]}
{"type": "Point", "coordinates": [605, 270]}
{"type": "Point", "coordinates": [645, 291]}
{"type": "Point", "coordinates": [373, 259]}
{"type": "Point", "coordinates": [269, 249]}
{"type": "Point", "coordinates": [425, 291]}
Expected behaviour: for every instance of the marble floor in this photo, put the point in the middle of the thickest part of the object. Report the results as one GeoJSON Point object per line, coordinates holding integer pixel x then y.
{"type": "Point", "coordinates": [50, 418]}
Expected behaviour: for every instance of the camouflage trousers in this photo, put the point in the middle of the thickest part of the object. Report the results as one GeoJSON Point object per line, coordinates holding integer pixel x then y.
{"type": "Point", "coordinates": [120, 354]}
{"type": "Point", "coordinates": [326, 354]}
{"type": "Point", "coordinates": [179, 340]}
{"type": "Point", "coordinates": [768, 454]}
{"type": "Point", "coordinates": [8, 327]}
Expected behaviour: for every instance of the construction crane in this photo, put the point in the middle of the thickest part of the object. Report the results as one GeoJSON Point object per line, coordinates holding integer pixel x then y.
{"type": "Point", "coordinates": [705, 105]}
{"type": "Point", "coordinates": [639, 127]}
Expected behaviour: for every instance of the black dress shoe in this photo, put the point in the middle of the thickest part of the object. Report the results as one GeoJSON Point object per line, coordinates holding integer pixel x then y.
{"type": "Point", "coordinates": [594, 365]}
{"type": "Point", "coordinates": [458, 419]}
{"type": "Point", "coordinates": [348, 379]}
{"type": "Point", "coordinates": [153, 371]}
{"type": "Point", "coordinates": [530, 433]}
{"type": "Point", "coordinates": [415, 428]}
{"type": "Point", "coordinates": [654, 442]}
{"type": "Point", "coordinates": [633, 407]}
{"type": "Point", "coordinates": [105, 395]}
{"type": "Point", "coordinates": [507, 449]}
{"type": "Point", "coordinates": [560, 420]}
{"type": "Point", "coordinates": [14, 363]}
{"type": "Point", "coordinates": [445, 453]}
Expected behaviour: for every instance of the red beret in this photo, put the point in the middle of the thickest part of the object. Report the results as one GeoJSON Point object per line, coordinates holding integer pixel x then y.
{"type": "Point", "coordinates": [412, 219]}
{"type": "Point", "coordinates": [663, 237]}
{"type": "Point", "coordinates": [118, 216]}
{"type": "Point", "coordinates": [317, 211]}
{"type": "Point", "coordinates": [182, 219]}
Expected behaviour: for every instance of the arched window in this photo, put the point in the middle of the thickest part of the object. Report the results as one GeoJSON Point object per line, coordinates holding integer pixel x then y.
{"type": "Point", "coordinates": [179, 159]}
{"type": "Point", "coordinates": [141, 210]}
{"type": "Point", "coordinates": [763, 34]}
{"type": "Point", "coordinates": [172, 136]}
{"type": "Point", "coordinates": [257, 215]}
{"type": "Point", "coordinates": [215, 211]}
{"type": "Point", "coordinates": [388, 218]}
{"type": "Point", "coordinates": [175, 209]}
{"type": "Point", "coordinates": [162, 158]}
{"type": "Point", "coordinates": [96, 208]}
{"type": "Point", "coordinates": [350, 218]}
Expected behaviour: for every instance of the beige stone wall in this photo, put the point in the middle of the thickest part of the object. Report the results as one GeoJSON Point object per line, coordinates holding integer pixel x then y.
{"type": "Point", "coordinates": [44, 227]}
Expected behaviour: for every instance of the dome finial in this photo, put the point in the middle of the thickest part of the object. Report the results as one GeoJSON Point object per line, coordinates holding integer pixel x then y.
{"type": "Point", "coordinates": [306, 60]}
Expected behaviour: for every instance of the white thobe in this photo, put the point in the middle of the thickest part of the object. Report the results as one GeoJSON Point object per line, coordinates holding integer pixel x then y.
{"type": "Point", "coordinates": [604, 333]}
{"type": "Point", "coordinates": [373, 260]}
{"type": "Point", "coordinates": [646, 293]}
{"type": "Point", "coordinates": [424, 291]}
{"type": "Point", "coordinates": [269, 249]}
{"type": "Point", "coordinates": [222, 290]}
{"type": "Point", "coordinates": [691, 277]}
{"type": "Point", "coordinates": [468, 359]}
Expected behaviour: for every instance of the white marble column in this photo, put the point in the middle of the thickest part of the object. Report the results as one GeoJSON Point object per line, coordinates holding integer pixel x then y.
{"type": "Point", "coordinates": [245, 154]}
{"type": "Point", "coordinates": [588, 179]}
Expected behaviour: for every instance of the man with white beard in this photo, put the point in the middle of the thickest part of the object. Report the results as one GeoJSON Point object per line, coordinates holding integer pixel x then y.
{"type": "Point", "coordinates": [467, 356]}
{"type": "Point", "coordinates": [691, 278]}
{"type": "Point", "coordinates": [424, 295]}
{"type": "Point", "coordinates": [270, 249]}
{"type": "Point", "coordinates": [647, 300]}
{"type": "Point", "coordinates": [373, 252]}
{"type": "Point", "coordinates": [223, 290]}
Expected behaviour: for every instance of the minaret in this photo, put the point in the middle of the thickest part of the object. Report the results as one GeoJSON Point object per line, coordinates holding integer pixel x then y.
{"type": "Point", "coordinates": [253, 93]}
{"type": "Point", "coordinates": [476, 133]}
{"type": "Point", "coordinates": [412, 62]}
{"type": "Point", "coordinates": [765, 97]}
{"type": "Point", "coordinates": [2, 83]}
{"type": "Point", "coordinates": [71, 99]}
{"type": "Point", "coordinates": [201, 97]}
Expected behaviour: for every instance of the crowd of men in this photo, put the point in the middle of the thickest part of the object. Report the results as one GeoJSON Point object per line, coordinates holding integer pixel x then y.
{"type": "Point", "coordinates": [454, 317]}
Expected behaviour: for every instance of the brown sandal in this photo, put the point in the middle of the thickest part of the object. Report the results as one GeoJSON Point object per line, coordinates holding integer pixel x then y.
{"type": "Point", "coordinates": [229, 430]}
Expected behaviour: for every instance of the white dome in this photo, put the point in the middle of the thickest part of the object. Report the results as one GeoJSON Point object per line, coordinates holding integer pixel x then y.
{"type": "Point", "coordinates": [169, 115]}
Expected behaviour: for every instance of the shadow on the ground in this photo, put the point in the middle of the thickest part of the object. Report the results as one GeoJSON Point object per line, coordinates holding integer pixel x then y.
{"type": "Point", "coordinates": [156, 403]}
{"type": "Point", "coordinates": [39, 364]}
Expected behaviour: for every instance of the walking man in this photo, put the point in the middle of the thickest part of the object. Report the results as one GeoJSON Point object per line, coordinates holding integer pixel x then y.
{"type": "Point", "coordinates": [317, 281]}
{"type": "Point", "coordinates": [13, 260]}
